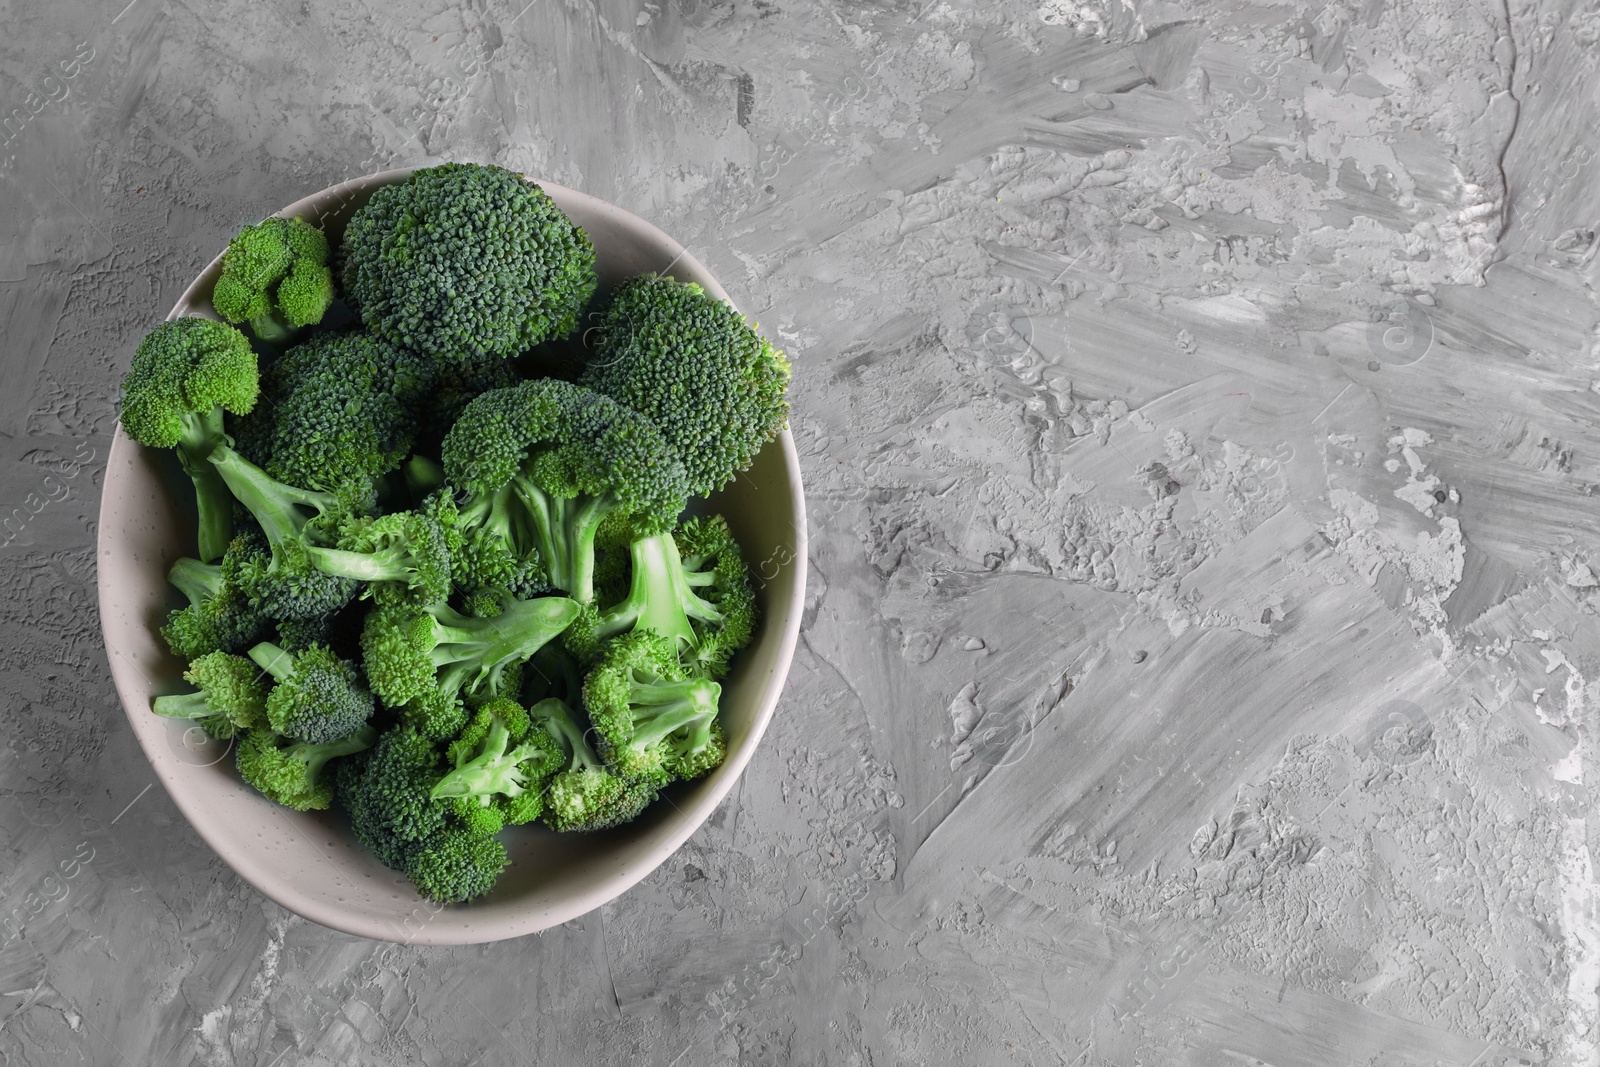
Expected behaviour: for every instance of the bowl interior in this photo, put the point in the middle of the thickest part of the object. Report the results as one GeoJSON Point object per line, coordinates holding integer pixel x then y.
{"type": "Point", "coordinates": [309, 862]}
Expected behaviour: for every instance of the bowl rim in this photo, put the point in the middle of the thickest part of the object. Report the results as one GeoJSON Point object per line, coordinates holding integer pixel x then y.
{"type": "Point", "coordinates": [471, 928]}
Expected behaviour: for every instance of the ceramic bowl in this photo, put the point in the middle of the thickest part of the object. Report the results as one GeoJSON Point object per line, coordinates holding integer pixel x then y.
{"type": "Point", "coordinates": [310, 862]}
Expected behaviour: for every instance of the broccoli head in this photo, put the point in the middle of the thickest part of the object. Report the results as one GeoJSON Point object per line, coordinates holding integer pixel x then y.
{"type": "Point", "coordinates": [275, 277]}
{"type": "Point", "coordinates": [456, 864]}
{"type": "Point", "coordinates": [651, 721]}
{"type": "Point", "coordinates": [584, 794]}
{"type": "Point", "coordinates": [318, 696]}
{"type": "Point", "coordinates": [692, 365]}
{"type": "Point", "coordinates": [293, 773]}
{"type": "Point", "coordinates": [387, 795]}
{"type": "Point", "coordinates": [466, 260]}
{"type": "Point", "coordinates": [231, 695]}
{"type": "Point", "coordinates": [543, 464]}
{"type": "Point", "coordinates": [184, 375]}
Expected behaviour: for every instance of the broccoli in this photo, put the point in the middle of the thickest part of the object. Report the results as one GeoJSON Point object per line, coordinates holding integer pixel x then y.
{"type": "Point", "coordinates": [402, 556]}
{"type": "Point", "coordinates": [292, 774]}
{"type": "Point", "coordinates": [501, 764]}
{"type": "Point", "coordinates": [409, 651]}
{"type": "Point", "coordinates": [692, 587]}
{"type": "Point", "coordinates": [466, 260]}
{"type": "Point", "coordinates": [231, 696]}
{"type": "Point", "coordinates": [275, 277]}
{"type": "Point", "coordinates": [456, 864]}
{"type": "Point", "coordinates": [387, 792]}
{"type": "Point", "coordinates": [318, 696]}
{"type": "Point", "coordinates": [689, 363]}
{"type": "Point", "coordinates": [184, 375]}
{"type": "Point", "coordinates": [338, 411]}
{"type": "Point", "coordinates": [218, 617]}
{"type": "Point", "coordinates": [297, 635]}
{"type": "Point", "coordinates": [544, 463]}
{"type": "Point", "coordinates": [651, 721]}
{"type": "Point", "coordinates": [282, 581]}
{"type": "Point", "coordinates": [584, 794]}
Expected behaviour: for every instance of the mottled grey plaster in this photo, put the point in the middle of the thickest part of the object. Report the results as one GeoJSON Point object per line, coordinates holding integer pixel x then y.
{"type": "Point", "coordinates": [1197, 404]}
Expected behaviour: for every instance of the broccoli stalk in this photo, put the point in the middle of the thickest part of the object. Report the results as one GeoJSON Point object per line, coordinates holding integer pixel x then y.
{"type": "Point", "coordinates": [184, 375]}
{"type": "Point", "coordinates": [402, 556]}
{"type": "Point", "coordinates": [218, 617]}
{"type": "Point", "coordinates": [501, 764]}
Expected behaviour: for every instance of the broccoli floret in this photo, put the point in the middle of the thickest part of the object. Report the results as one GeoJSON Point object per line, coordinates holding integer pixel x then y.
{"type": "Point", "coordinates": [466, 260]}
{"type": "Point", "coordinates": [544, 463]}
{"type": "Point", "coordinates": [456, 864]}
{"type": "Point", "coordinates": [297, 635]}
{"type": "Point", "coordinates": [275, 277]}
{"type": "Point", "coordinates": [435, 713]}
{"type": "Point", "coordinates": [184, 375]}
{"type": "Point", "coordinates": [218, 617]}
{"type": "Point", "coordinates": [318, 696]}
{"type": "Point", "coordinates": [501, 765]}
{"type": "Point", "coordinates": [402, 556]}
{"type": "Point", "coordinates": [338, 412]}
{"type": "Point", "coordinates": [692, 587]}
{"type": "Point", "coordinates": [651, 721]}
{"type": "Point", "coordinates": [689, 363]}
{"type": "Point", "coordinates": [409, 651]}
{"type": "Point", "coordinates": [584, 794]}
{"type": "Point", "coordinates": [387, 797]}
{"type": "Point", "coordinates": [285, 584]}
{"type": "Point", "coordinates": [231, 696]}
{"type": "Point", "coordinates": [292, 774]}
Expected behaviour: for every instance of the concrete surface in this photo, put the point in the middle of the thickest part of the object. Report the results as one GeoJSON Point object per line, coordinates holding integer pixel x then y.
{"type": "Point", "coordinates": [1198, 407]}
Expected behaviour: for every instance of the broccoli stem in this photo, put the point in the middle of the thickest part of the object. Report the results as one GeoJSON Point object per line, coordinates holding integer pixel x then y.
{"type": "Point", "coordinates": [183, 706]}
{"type": "Point", "coordinates": [271, 327]}
{"type": "Point", "coordinates": [197, 581]}
{"type": "Point", "coordinates": [384, 565]}
{"type": "Point", "coordinates": [494, 770]}
{"type": "Point", "coordinates": [422, 475]}
{"type": "Point", "coordinates": [276, 505]}
{"type": "Point", "coordinates": [552, 713]}
{"type": "Point", "coordinates": [274, 660]}
{"type": "Point", "coordinates": [663, 708]}
{"type": "Point", "coordinates": [202, 433]}
{"type": "Point", "coordinates": [661, 596]}
{"type": "Point", "coordinates": [316, 756]}
{"type": "Point", "coordinates": [467, 645]}
{"type": "Point", "coordinates": [566, 527]}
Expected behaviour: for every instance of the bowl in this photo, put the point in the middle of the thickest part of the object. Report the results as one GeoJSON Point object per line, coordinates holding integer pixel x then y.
{"type": "Point", "coordinates": [310, 862]}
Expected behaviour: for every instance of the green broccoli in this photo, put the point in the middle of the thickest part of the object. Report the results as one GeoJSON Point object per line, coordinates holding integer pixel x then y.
{"type": "Point", "coordinates": [466, 260]}
{"type": "Point", "coordinates": [410, 650]}
{"type": "Point", "coordinates": [338, 411]}
{"type": "Point", "coordinates": [650, 720]}
{"type": "Point", "coordinates": [318, 696]}
{"type": "Point", "coordinates": [297, 635]}
{"type": "Point", "coordinates": [544, 463]}
{"type": "Point", "coordinates": [275, 277]}
{"type": "Point", "coordinates": [584, 794]}
{"type": "Point", "coordinates": [292, 774]}
{"type": "Point", "coordinates": [692, 587]}
{"type": "Point", "coordinates": [218, 617]}
{"type": "Point", "coordinates": [387, 794]}
{"type": "Point", "coordinates": [690, 364]}
{"type": "Point", "coordinates": [501, 764]}
{"type": "Point", "coordinates": [282, 581]}
{"type": "Point", "coordinates": [184, 375]}
{"type": "Point", "coordinates": [403, 557]}
{"type": "Point", "coordinates": [231, 696]}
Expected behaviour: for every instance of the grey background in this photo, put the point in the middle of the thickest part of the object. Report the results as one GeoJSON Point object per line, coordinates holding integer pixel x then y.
{"type": "Point", "coordinates": [1196, 404]}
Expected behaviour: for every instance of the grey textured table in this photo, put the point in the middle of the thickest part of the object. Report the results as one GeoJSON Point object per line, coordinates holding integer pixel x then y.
{"type": "Point", "coordinates": [1197, 405]}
